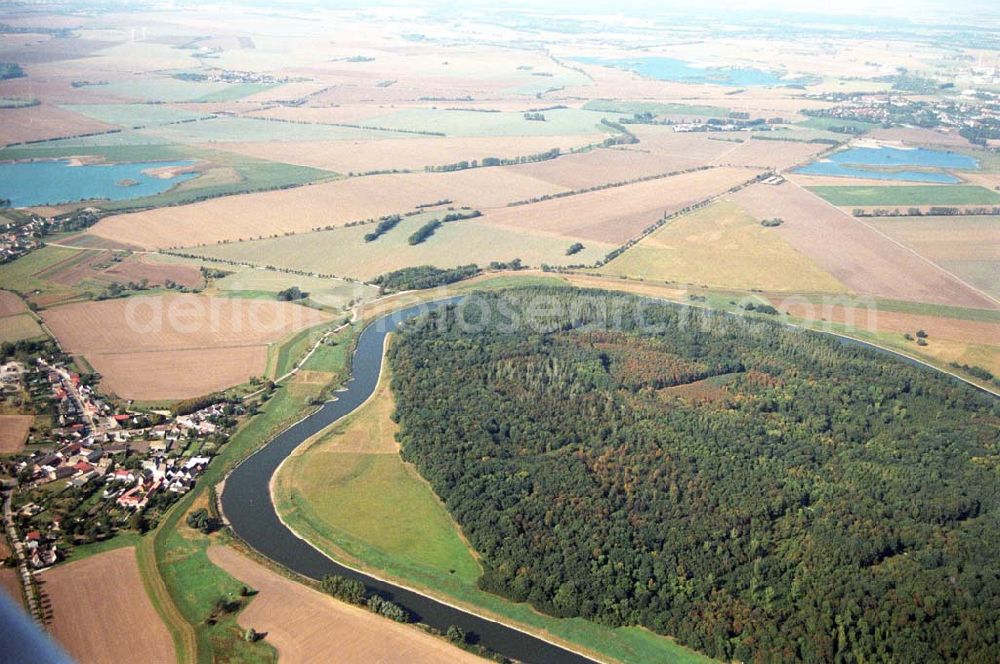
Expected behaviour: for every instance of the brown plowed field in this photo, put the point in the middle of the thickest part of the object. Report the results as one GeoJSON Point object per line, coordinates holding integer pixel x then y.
{"type": "Point", "coordinates": [42, 122]}
{"type": "Point", "coordinates": [11, 304]}
{"type": "Point", "coordinates": [13, 432]}
{"type": "Point", "coordinates": [176, 346]}
{"type": "Point", "coordinates": [177, 374]}
{"type": "Point", "coordinates": [305, 625]}
{"type": "Point", "coordinates": [100, 611]}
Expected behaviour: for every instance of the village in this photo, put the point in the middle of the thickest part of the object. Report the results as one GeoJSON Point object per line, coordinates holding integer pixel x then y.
{"type": "Point", "coordinates": [101, 469]}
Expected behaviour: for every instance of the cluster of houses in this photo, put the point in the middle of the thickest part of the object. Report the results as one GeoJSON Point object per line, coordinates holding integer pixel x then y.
{"type": "Point", "coordinates": [132, 488]}
{"type": "Point", "coordinates": [121, 460]}
{"type": "Point", "coordinates": [17, 239]}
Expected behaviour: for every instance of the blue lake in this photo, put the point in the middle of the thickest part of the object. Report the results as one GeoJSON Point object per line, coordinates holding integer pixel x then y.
{"type": "Point", "coordinates": [672, 69]}
{"type": "Point", "coordinates": [888, 163]}
{"type": "Point", "coordinates": [32, 183]}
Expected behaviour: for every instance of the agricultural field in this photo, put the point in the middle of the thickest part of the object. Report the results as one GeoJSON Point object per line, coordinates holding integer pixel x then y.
{"type": "Point", "coordinates": [14, 432]}
{"type": "Point", "coordinates": [19, 327]}
{"type": "Point", "coordinates": [615, 215]}
{"type": "Point", "coordinates": [88, 596]}
{"type": "Point", "coordinates": [301, 209]}
{"type": "Point", "coordinates": [43, 122]}
{"type": "Point", "coordinates": [254, 282]}
{"type": "Point", "coordinates": [403, 151]}
{"type": "Point", "coordinates": [854, 253]}
{"type": "Point", "coordinates": [134, 115]}
{"type": "Point", "coordinates": [305, 625]}
{"type": "Point", "coordinates": [560, 122]}
{"type": "Point", "coordinates": [723, 247]}
{"type": "Point", "coordinates": [343, 252]}
{"type": "Point", "coordinates": [176, 346]}
{"type": "Point", "coordinates": [966, 246]}
{"type": "Point", "coordinates": [345, 482]}
{"type": "Point", "coordinates": [850, 196]}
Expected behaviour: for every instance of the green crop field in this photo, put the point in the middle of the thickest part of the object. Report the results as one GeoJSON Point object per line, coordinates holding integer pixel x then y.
{"type": "Point", "coordinates": [222, 129]}
{"type": "Point", "coordinates": [908, 195]}
{"type": "Point", "coordinates": [134, 115]}
{"type": "Point", "coordinates": [236, 91]}
{"type": "Point", "coordinates": [561, 122]}
{"type": "Point", "coordinates": [656, 108]}
{"type": "Point", "coordinates": [164, 89]}
{"type": "Point", "coordinates": [21, 326]}
{"type": "Point", "coordinates": [344, 252]}
{"type": "Point", "coordinates": [332, 293]}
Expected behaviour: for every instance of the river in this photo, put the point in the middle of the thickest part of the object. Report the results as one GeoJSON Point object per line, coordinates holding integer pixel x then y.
{"type": "Point", "coordinates": [246, 501]}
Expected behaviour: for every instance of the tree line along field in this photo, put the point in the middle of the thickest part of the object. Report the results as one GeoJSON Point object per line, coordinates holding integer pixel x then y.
{"type": "Point", "coordinates": [759, 526]}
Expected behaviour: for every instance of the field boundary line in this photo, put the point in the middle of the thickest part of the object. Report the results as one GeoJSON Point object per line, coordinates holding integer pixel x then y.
{"type": "Point", "coordinates": [181, 631]}
{"type": "Point", "coordinates": [900, 245]}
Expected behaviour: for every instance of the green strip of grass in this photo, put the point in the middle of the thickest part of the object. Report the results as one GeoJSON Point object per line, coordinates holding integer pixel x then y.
{"type": "Point", "coordinates": [907, 195]}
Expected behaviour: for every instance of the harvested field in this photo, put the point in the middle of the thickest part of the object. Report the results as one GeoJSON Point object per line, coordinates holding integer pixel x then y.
{"type": "Point", "coordinates": [100, 611]}
{"type": "Point", "coordinates": [919, 136]}
{"type": "Point", "coordinates": [178, 374]}
{"type": "Point", "coordinates": [854, 253]}
{"type": "Point", "coordinates": [722, 246]}
{"type": "Point", "coordinates": [42, 122]}
{"type": "Point", "coordinates": [580, 171]}
{"type": "Point", "coordinates": [305, 625]}
{"type": "Point", "coordinates": [18, 327]}
{"type": "Point", "coordinates": [876, 320]}
{"type": "Point", "coordinates": [175, 322]}
{"type": "Point", "coordinates": [404, 152]}
{"type": "Point", "coordinates": [565, 121]}
{"type": "Point", "coordinates": [771, 155]}
{"type": "Point", "coordinates": [137, 267]}
{"type": "Point", "coordinates": [344, 252]}
{"type": "Point", "coordinates": [968, 246]}
{"type": "Point", "coordinates": [700, 148]}
{"type": "Point", "coordinates": [10, 304]}
{"type": "Point", "coordinates": [155, 348]}
{"type": "Point", "coordinates": [316, 206]}
{"type": "Point", "coordinates": [620, 213]}
{"type": "Point", "coordinates": [14, 432]}
{"type": "Point", "coordinates": [10, 583]}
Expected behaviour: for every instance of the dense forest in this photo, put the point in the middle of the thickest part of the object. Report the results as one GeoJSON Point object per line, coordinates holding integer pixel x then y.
{"type": "Point", "coordinates": [758, 492]}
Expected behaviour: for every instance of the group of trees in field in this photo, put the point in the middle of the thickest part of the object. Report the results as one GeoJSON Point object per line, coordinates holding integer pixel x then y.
{"type": "Point", "coordinates": [353, 591]}
{"type": "Point", "coordinates": [384, 225]}
{"type": "Point", "coordinates": [809, 500]}
{"type": "Point", "coordinates": [423, 276]}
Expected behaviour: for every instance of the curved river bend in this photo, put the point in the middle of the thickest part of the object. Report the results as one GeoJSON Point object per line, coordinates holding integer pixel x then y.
{"type": "Point", "coordinates": [246, 501]}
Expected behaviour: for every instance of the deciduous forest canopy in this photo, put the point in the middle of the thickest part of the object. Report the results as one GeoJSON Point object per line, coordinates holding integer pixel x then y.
{"type": "Point", "coordinates": [760, 493]}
